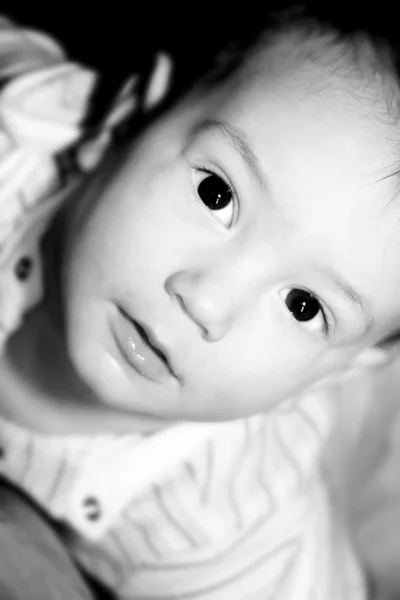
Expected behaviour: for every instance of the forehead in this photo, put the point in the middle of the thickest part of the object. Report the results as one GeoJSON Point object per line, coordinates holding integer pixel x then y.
{"type": "Point", "coordinates": [327, 148]}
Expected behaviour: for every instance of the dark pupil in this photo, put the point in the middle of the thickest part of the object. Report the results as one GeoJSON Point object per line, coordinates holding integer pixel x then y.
{"type": "Point", "coordinates": [214, 192]}
{"type": "Point", "coordinates": [302, 305]}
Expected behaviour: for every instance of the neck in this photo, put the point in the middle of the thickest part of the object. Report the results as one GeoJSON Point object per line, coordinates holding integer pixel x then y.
{"type": "Point", "coordinates": [40, 390]}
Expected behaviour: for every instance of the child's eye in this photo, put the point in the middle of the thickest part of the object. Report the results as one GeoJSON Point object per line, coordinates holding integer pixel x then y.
{"type": "Point", "coordinates": [218, 196]}
{"type": "Point", "coordinates": [306, 309]}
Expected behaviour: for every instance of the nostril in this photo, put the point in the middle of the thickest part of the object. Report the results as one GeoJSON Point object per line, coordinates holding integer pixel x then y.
{"type": "Point", "coordinates": [181, 302]}
{"type": "Point", "coordinates": [202, 301]}
{"type": "Point", "coordinates": [186, 309]}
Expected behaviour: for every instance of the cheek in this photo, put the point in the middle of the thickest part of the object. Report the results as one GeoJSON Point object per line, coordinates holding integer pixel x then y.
{"type": "Point", "coordinates": [155, 222]}
{"type": "Point", "coordinates": [258, 366]}
{"type": "Point", "coordinates": [138, 233]}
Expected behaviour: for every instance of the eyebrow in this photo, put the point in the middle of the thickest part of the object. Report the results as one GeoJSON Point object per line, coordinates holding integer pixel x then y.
{"type": "Point", "coordinates": [238, 140]}
{"type": "Point", "coordinates": [350, 292]}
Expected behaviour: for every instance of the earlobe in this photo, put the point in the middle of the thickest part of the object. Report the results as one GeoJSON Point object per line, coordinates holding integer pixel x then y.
{"type": "Point", "coordinates": [366, 361]}
{"type": "Point", "coordinates": [159, 82]}
{"type": "Point", "coordinates": [373, 357]}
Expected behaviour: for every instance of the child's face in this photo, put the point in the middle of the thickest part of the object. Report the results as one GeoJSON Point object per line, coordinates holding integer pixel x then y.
{"type": "Point", "coordinates": [252, 303]}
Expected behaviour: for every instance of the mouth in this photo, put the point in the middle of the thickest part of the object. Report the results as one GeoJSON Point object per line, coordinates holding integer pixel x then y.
{"type": "Point", "coordinates": [141, 350]}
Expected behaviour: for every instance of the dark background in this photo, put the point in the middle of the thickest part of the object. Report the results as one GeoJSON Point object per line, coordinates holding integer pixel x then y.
{"type": "Point", "coordinates": [118, 36]}
{"type": "Point", "coordinates": [100, 35]}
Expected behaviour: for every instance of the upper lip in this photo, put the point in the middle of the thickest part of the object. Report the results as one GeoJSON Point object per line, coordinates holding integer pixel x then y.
{"type": "Point", "coordinates": [151, 340]}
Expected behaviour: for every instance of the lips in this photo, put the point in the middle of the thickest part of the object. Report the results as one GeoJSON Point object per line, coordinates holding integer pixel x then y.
{"type": "Point", "coordinates": [141, 352]}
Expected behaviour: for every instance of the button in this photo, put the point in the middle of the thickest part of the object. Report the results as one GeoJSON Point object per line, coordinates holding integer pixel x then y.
{"type": "Point", "coordinates": [67, 165]}
{"type": "Point", "coordinates": [92, 508]}
{"type": "Point", "coordinates": [23, 268]}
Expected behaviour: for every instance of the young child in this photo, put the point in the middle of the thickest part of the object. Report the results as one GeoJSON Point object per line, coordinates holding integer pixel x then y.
{"type": "Point", "coordinates": [167, 350]}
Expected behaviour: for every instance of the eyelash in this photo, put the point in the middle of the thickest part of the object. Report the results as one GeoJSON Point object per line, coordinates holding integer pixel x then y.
{"type": "Point", "coordinates": [328, 323]}
{"type": "Point", "coordinates": [327, 320]}
{"type": "Point", "coordinates": [209, 170]}
{"type": "Point", "coordinates": [212, 171]}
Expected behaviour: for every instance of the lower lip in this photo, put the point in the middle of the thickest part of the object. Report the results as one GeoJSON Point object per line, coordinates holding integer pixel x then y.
{"type": "Point", "coordinates": [137, 352]}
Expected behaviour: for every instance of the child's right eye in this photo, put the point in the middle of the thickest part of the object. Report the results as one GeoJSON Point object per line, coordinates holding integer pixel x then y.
{"type": "Point", "coordinates": [218, 196]}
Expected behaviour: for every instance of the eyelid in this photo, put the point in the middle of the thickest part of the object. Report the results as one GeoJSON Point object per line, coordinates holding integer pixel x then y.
{"type": "Point", "coordinates": [206, 168]}
{"type": "Point", "coordinates": [194, 158]}
{"type": "Point", "coordinates": [329, 323]}
{"type": "Point", "coordinates": [327, 314]}
{"type": "Point", "coordinates": [213, 170]}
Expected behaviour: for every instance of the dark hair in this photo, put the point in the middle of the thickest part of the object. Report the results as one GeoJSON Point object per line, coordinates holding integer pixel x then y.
{"type": "Point", "coordinates": [218, 44]}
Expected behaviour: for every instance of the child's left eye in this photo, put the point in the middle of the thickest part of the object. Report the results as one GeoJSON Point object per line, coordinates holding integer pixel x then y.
{"type": "Point", "coordinates": [217, 195]}
{"type": "Point", "coordinates": [306, 309]}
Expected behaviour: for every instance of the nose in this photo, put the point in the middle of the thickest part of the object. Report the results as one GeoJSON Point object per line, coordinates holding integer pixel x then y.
{"type": "Point", "coordinates": [208, 306]}
{"type": "Point", "coordinates": [216, 296]}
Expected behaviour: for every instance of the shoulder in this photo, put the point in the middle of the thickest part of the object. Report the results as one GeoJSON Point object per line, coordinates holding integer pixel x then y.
{"type": "Point", "coordinates": [29, 544]}
{"type": "Point", "coordinates": [44, 99]}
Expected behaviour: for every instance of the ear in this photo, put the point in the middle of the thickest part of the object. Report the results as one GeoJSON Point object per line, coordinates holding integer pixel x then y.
{"type": "Point", "coordinates": [159, 82]}
{"type": "Point", "coordinates": [365, 361]}
{"type": "Point", "coordinates": [369, 359]}
{"type": "Point", "coordinates": [372, 358]}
